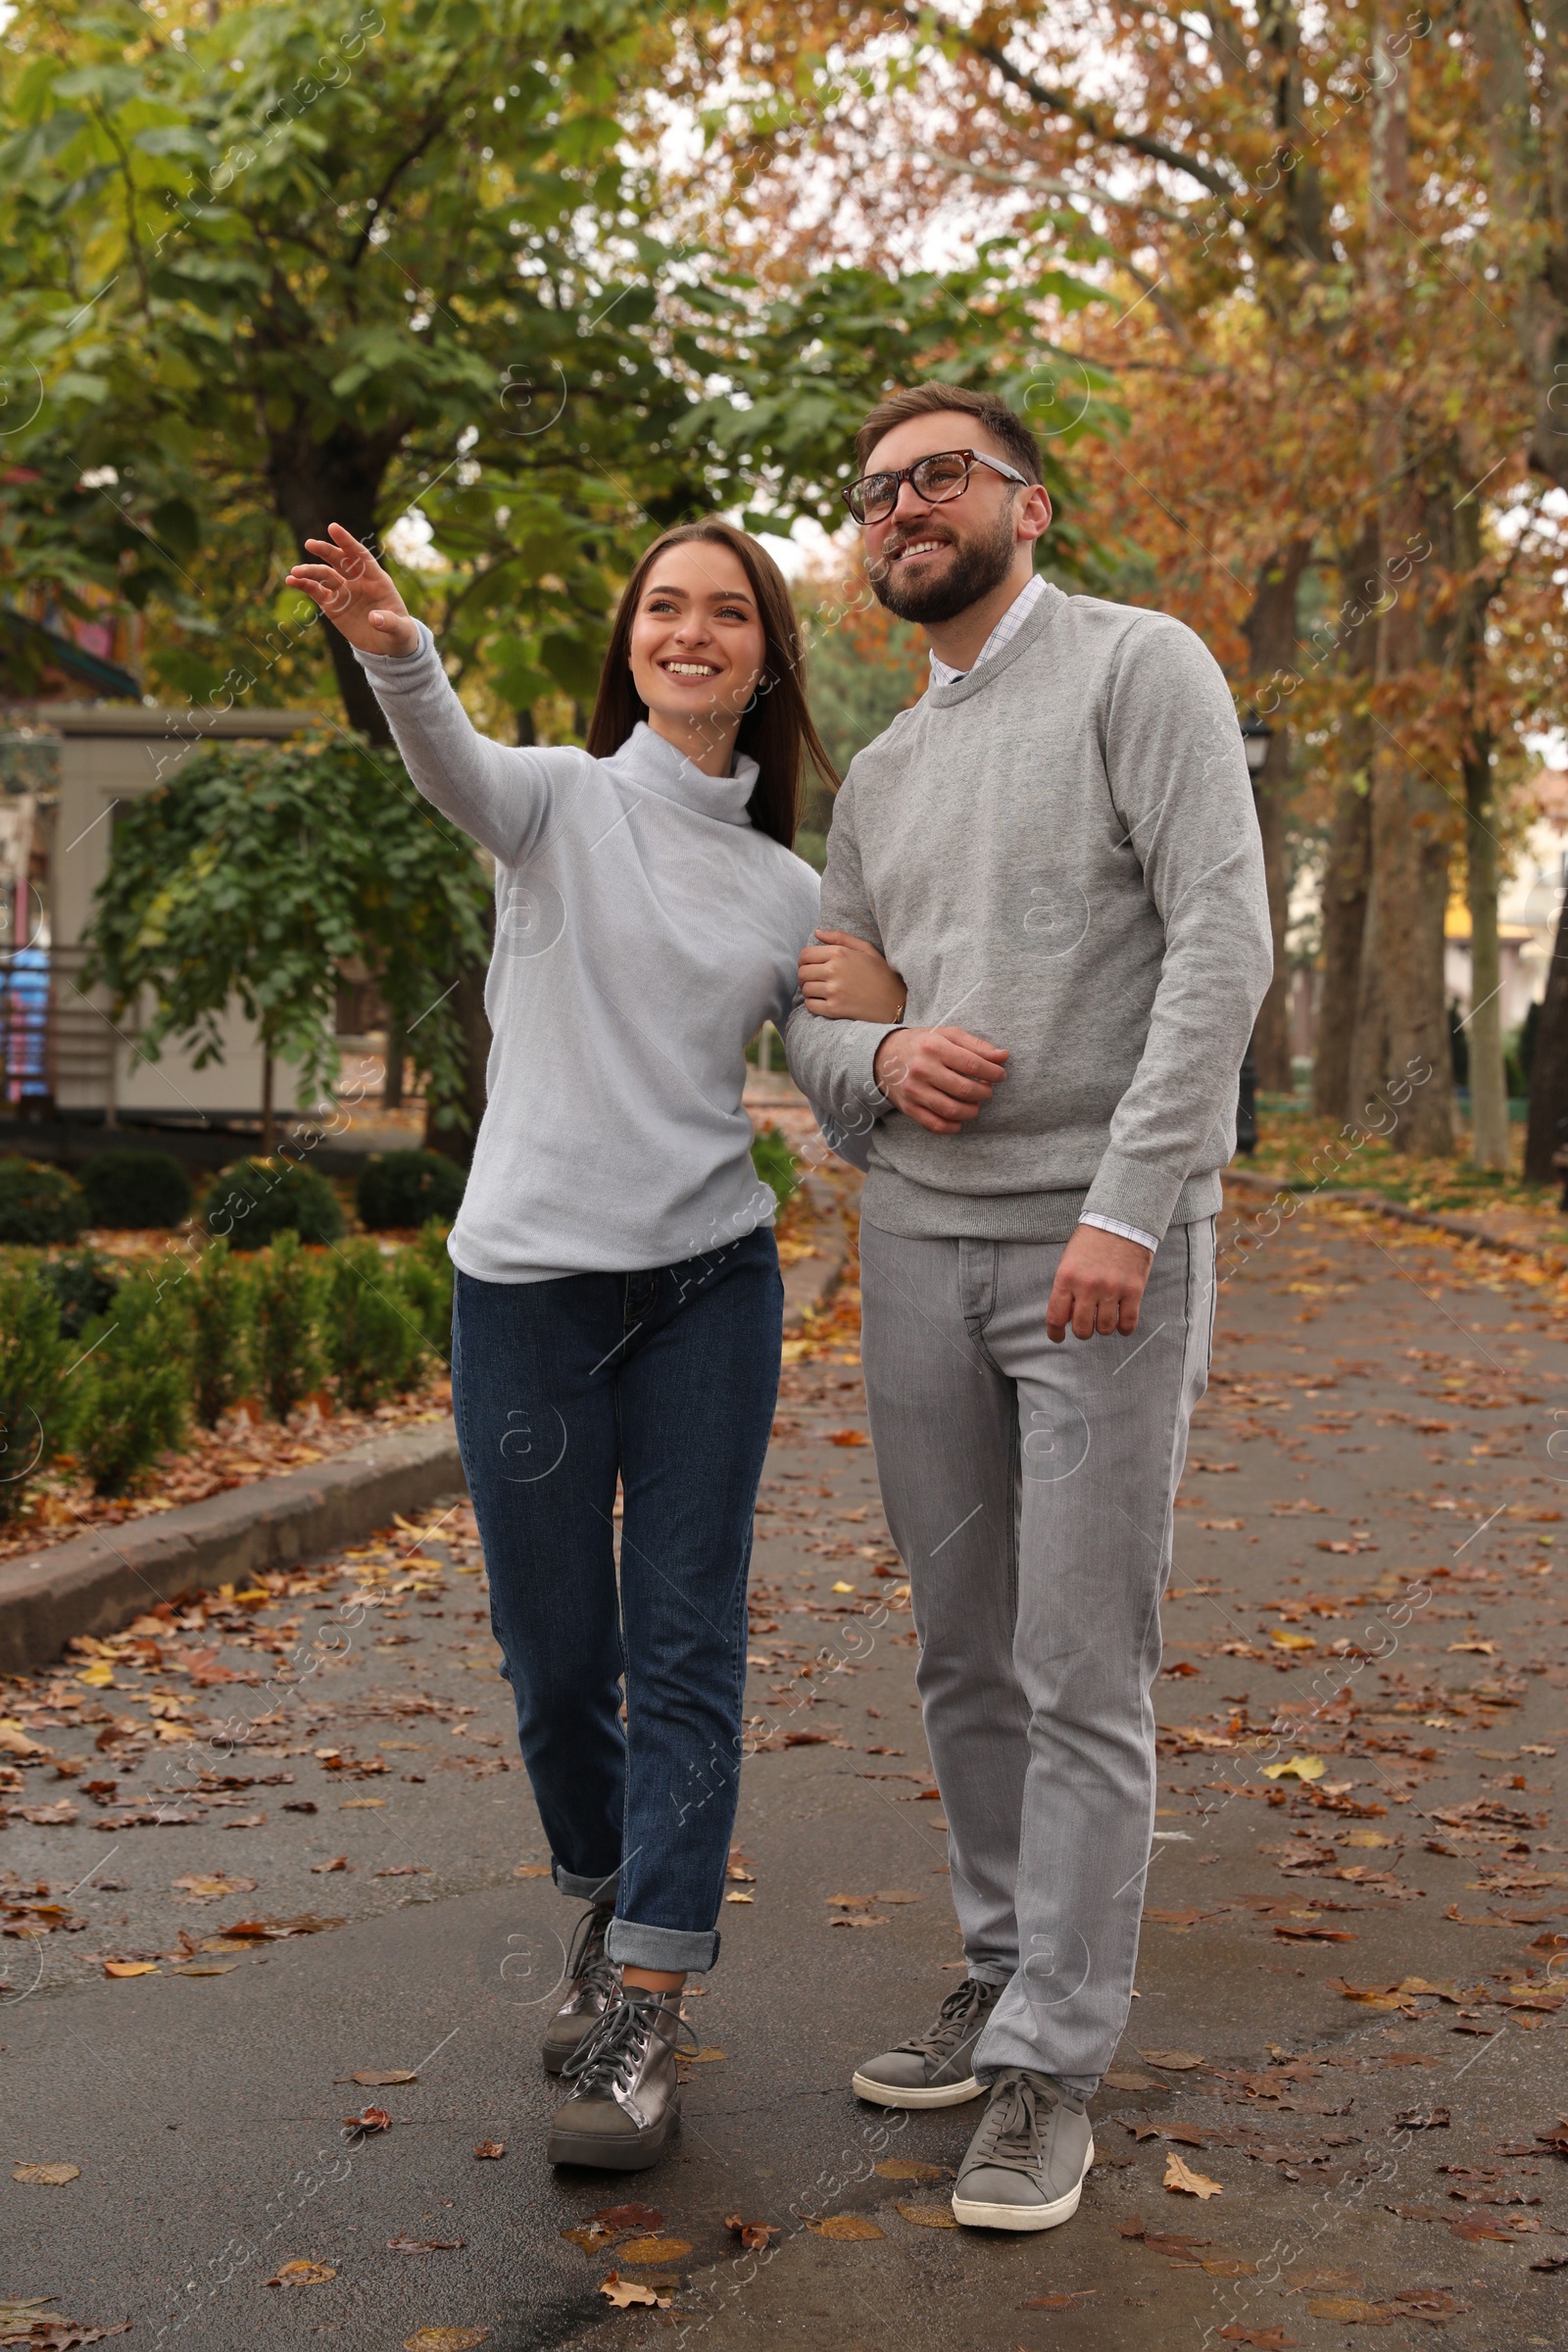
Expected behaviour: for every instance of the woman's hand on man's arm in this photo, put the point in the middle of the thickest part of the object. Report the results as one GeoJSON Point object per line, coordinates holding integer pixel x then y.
{"type": "Point", "coordinates": [845, 979]}
{"type": "Point", "coordinates": [358, 597]}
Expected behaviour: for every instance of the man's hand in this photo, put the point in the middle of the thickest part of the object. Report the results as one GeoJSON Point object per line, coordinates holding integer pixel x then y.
{"type": "Point", "coordinates": [1099, 1286]}
{"type": "Point", "coordinates": [939, 1077]}
{"type": "Point", "coordinates": [358, 597]}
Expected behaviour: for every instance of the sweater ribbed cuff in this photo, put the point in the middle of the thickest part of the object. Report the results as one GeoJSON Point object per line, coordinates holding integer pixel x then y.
{"type": "Point", "coordinates": [398, 669]}
{"type": "Point", "coordinates": [1133, 1193]}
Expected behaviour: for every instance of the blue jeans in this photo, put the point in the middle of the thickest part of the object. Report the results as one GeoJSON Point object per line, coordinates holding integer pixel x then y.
{"type": "Point", "coordinates": [669, 1379]}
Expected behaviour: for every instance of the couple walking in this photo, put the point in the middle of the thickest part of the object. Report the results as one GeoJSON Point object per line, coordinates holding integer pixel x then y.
{"type": "Point", "coordinates": [1057, 843]}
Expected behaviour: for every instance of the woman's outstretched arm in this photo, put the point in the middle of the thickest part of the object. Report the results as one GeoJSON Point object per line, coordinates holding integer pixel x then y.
{"type": "Point", "coordinates": [496, 792]}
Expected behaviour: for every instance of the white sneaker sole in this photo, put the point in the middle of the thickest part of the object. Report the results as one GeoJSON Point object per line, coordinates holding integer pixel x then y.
{"type": "Point", "coordinates": [892, 2094]}
{"type": "Point", "coordinates": [975, 2216]}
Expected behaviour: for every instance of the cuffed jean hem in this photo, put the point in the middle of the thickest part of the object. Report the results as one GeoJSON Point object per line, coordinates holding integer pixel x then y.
{"type": "Point", "coordinates": [1077, 2086]}
{"type": "Point", "coordinates": [587, 1891]}
{"type": "Point", "coordinates": [669, 1948]}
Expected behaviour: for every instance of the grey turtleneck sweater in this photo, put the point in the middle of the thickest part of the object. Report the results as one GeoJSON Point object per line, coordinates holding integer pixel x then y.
{"type": "Point", "coordinates": [1060, 853]}
{"type": "Point", "coordinates": [644, 932]}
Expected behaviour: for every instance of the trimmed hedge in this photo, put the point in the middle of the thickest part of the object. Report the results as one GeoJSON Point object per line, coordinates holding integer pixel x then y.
{"type": "Point", "coordinates": [135, 1400]}
{"type": "Point", "coordinates": [36, 1406]}
{"type": "Point", "coordinates": [84, 1287]}
{"type": "Point", "coordinates": [136, 1189]}
{"type": "Point", "coordinates": [408, 1188]}
{"type": "Point", "coordinates": [38, 1203]}
{"type": "Point", "coordinates": [255, 1200]}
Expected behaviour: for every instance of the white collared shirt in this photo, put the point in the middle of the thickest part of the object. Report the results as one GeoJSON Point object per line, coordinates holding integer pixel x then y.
{"type": "Point", "coordinates": [943, 675]}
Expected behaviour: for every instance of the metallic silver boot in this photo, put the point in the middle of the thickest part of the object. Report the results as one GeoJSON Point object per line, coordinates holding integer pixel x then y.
{"type": "Point", "coordinates": [593, 1985]}
{"type": "Point", "coordinates": [624, 2100]}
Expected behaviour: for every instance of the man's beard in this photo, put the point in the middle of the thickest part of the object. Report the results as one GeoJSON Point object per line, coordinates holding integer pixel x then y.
{"type": "Point", "coordinates": [978, 565]}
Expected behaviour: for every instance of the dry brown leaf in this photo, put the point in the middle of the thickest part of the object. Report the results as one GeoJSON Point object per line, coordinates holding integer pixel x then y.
{"type": "Point", "coordinates": [307, 1923]}
{"type": "Point", "coordinates": [1182, 2177]}
{"type": "Point", "coordinates": [379, 2078]}
{"type": "Point", "coordinates": [1174, 2062]}
{"type": "Point", "coordinates": [847, 1437]}
{"type": "Point", "coordinates": [592, 2236]}
{"type": "Point", "coordinates": [338, 1862]}
{"type": "Point", "coordinates": [624, 2293]}
{"type": "Point", "coordinates": [653, 2249]}
{"type": "Point", "coordinates": [1061, 2302]}
{"type": "Point", "coordinates": [301, 2272]}
{"type": "Point", "coordinates": [206, 1890]}
{"type": "Point", "coordinates": [908, 2168]}
{"type": "Point", "coordinates": [928, 2217]}
{"type": "Point", "coordinates": [1262, 2339]}
{"type": "Point", "coordinates": [491, 2147]}
{"type": "Point", "coordinates": [628, 2217]}
{"type": "Point", "coordinates": [425, 2245]}
{"type": "Point", "coordinates": [531, 1870]}
{"type": "Point", "coordinates": [753, 2236]}
{"type": "Point", "coordinates": [1126, 2082]}
{"type": "Point", "coordinates": [846, 2227]}
{"type": "Point", "coordinates": [373, 2119]}
{"type": "Point", "coordinates": [204, 1967]}
{"type": "Point", "coordinates": [45, 2176]}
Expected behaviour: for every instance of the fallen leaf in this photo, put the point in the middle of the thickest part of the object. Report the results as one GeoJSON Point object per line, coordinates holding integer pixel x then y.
{"type": "Point", "coordinates": [1283, 1639]}
{"type": "Point", "coordinates": [373, 2119]}
{"type": "Point", "coordinates": [130, 1968]}
{"type": "Point", "coordinates": [338, 1862]}
{"type": "Point", "coordinates": [301, 2272]}
{"type": "Point", "coordinates": [845, 1437]}
{"type": "Point", "coordinates": [653, 2249]}
{"type": "Point", "coordinates": [860, 1919]}
{"type": "Point", "coordinates": [846, 2226]}
{"type": "Point", "coordinates": [204, 1967]}
{"type": "Point", "coordinates": [1262, 2339]}
{"type": "Point", "coordinates": [1422, 2119]}
{"type": "Point", "coordinates": [628, 2217]}
{"type": "Point", "coordinates": [360, 1804]}
{"type": "Point", "coordinates": [533, 1870]}
{"type": "Point", "coordinates": [97, 1677]}
{"type": "Point", "coordinates": [45, 2176]}
{"type": "Point", "coordinates": [591, 2236]}
{"type": "Point", "coordinates": [624, 2293]}
{"type": "Point", "coordinates": [1181, 2176]}
{"type": "Point", "coordinates": [206, 1890]}
{"type": "Point", "coordinates": [841, 1587]}
{"type": "Point", "coordinates": [1366, 1837]}
{"type": "Point", "coordinates": [753, 2236]}
{"type": "Point", "coordinates": [1123, 2082]}
{"type": "Point", "coordinates": [1174, 2062]}
{"type": "Point", "coordinates": [1314, 1935]}
{"type": "Point", "coordinates": [446, 2339]}
{"type": "Point", "coordinates": [908, 2168]}
{"type": "Point", "coordinates": [928, 2217]}
{"type": "Point", "coordinates": [425, 2245]}
{"type": "Point", "coordinates": [269, 1930]}
{"type": "Point", "coordinates": [1304, 1768]}
{"type": "Point", "coordinates": [379, 2078]}
{"type": "Point", "coordinates": [733, 1897]}
{"type": "Point", "coordinates": [491, 2147]}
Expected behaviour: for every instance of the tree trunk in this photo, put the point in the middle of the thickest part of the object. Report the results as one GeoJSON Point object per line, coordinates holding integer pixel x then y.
{"type": "Point", "coordinates": [268, 1117]}
{"type": "Point", "coordinates": [1489, 1087]}
{"type": "Point", "coordinates": [444, 1132]}
{"type": "Point", "coordinates": [339, 480]}
{"type": "Point", "coordinates": [396, 1053]}
{"type": "Point", "coordinates": [1344, 887]}
{"type": "Point", "coordinates": [1270, 628]}
{"type": "Point", "coordinates": [1547, 1131]}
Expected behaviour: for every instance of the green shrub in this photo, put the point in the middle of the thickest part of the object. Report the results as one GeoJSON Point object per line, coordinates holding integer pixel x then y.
{"type": "Point", "coordinates": [287, 1295]}
{"type": "Point", "coordinates": [371, 1329]}
{"type": "Point", "coordinates": [257, 1199]}
{"type": "Point", "coordinates": [84, 1287]}
{"type": "Point", "coordinates": [134, 1382]}
{"type": "Point", "coordinates": [425, 1272]}
{"type": "Point", "coordinates": [136, 1189]}
{"type": "Point", "coordinates": [223, 1315]}
{"type": "Point", "coordinates": [408, 1188]}
{"type": "Point", "coordinates": [774, 1162]}
{"type": "Point", "coordinates": [36, 1401]}
{"type": "Point", "coordinates": [38, 1204]}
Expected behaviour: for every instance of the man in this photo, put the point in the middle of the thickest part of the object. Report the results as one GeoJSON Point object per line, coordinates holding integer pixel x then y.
{"type": "Point", "coordinates": [1058, 843]}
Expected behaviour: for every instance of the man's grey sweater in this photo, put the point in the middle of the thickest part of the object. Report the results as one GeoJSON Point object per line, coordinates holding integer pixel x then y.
{"type": "Point", "coordinates": [1060, 853]}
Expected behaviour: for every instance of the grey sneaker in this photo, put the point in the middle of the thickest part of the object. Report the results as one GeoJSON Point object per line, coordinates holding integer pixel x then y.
{"type": "Point", "coordinates": [1026, 2165]}
{"type": "Point", "coordinates": [593, 1985]}
{"type": "Point", "coordinates": [936, 2068]}
{"type": "Point", "coordinates": [624, 2101]}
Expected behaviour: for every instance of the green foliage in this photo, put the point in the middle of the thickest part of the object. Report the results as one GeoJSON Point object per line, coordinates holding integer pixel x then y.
{"type": "Point", "coordinates": [134, 1384]}
{"type": "Point", "coordinates": [255, 1200]}
{"type": "Point", "coordinates": [372, 1333]}
{"type": "Point", "coordinates": [136, 1189]}
{"type": "Point", "coordinates": [397, 1188]}
{"type": "Point", "coordinates": [775, 1163]}
{"type": "Point", "coordinates": [38, 1203]}
{"type": "Point", "coordinates": [287, 1297]}
{"type": "Point", "coordinates": [425, 1272]}
{"type": "Point", "coordinates": [219, 1296]}
{"type": "Point", "coordinates": [253, 873]}
{"type": "Point", "coordinates": [36, 1402]}
{"type": "Point", "coordinates": [84, 1288]}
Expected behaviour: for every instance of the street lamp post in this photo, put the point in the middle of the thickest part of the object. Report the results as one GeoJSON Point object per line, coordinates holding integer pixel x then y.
{"type": "Point", "coordinates": [1256, 736]}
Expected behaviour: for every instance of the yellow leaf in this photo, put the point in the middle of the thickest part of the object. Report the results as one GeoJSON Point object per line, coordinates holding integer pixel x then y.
{"type": "Point", "coordinates": [301, 2272]}
{"type": "Point", "coordinates": [846, 2226]}
{"type": "Point", "coordinates": [740, 1898]}
{"type": "Point", "coordinates": [360, 1804]}
{"type": "Point", "coordinates": [928, 2217]}
{"type": "Point", "coordinates": [1367, 1837]}
{"type": "Point", "coordinates": [97, 1677]}
{"type": "Point", "coordinates": [1282, 1638]}
{"type": "Point", "coordinates": [1304, 1768]}
{"type": "Point", "coordinates": [176, 1731]}
{"type": "Point", "coordinates": [45, 2176]}
{"type": "Point", "coordinates": [1179, 2176]}
{"type": "Point", "coordinates": [841, 1587]}
{"type": "Point", "coordinates": [130, 1968]}
{"type": "Point", "coordinates": [653, 2249]}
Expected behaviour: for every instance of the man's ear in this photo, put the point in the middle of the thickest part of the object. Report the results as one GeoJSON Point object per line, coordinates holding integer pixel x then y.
{"type": "Point", "coordinates": [1034, 514]}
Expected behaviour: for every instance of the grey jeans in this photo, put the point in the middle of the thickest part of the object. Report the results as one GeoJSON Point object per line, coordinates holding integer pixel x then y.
{"type": "Point", "coordinates": [1029, 1489]}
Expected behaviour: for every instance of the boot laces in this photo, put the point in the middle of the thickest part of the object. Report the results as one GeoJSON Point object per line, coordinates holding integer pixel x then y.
{"type": "Point", "coordinates": [956, 2015]}
{"type": "Point", "coordinates": [588, 1964]}
{"type": "Point", "coordinates": [612, 2057]}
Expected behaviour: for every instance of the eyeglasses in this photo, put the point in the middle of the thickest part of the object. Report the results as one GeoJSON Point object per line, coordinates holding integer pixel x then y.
{"type": "Point", "coordinates": [943, 476]}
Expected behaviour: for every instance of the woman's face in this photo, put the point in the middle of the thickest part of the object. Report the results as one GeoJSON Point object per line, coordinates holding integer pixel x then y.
{"type": "Point", "coordinates": [697, 649]}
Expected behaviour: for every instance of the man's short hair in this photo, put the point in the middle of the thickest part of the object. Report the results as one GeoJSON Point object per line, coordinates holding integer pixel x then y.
{"type": "Point", "coordinates": [1009, 432]}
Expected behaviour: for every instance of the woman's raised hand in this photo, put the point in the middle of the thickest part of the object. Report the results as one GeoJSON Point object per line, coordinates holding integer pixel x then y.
{"type": "Point", "coordinates": [843, 979]}
{"type": "Point", "coordinates": [357, 596]}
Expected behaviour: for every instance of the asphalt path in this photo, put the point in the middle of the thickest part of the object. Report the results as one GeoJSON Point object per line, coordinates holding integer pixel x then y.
{"type": "Point", "coordinates": [1367, 1593]}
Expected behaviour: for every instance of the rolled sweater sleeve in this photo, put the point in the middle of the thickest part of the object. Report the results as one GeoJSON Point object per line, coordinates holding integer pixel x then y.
{"type": "Point", "coordinates": [1179, 782]}
{"type": "Point", "coordinates": [497, 792]}
{"type": "Point", "coordinates": [831, 1061]}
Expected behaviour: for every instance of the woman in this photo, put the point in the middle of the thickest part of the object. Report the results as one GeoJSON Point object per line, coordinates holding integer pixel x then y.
{"type": "Point", "coordinates": [619, 1302]}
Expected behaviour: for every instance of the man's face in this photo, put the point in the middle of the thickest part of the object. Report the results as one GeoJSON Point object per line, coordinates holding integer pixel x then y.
{"type": "Point", "coordinates": [931, 563]}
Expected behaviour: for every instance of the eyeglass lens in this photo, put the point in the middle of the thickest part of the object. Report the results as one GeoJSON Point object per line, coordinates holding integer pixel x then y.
{"type": "Point", "coordinates": [935, 478]}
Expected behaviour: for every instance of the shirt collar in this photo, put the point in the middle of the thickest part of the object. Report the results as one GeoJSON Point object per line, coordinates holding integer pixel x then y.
{"type": "Point", "coordinates": [1008, 627]}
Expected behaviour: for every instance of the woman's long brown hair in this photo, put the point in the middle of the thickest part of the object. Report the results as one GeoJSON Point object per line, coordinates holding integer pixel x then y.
{"type": "Point", "coordinates": [777, 729]}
